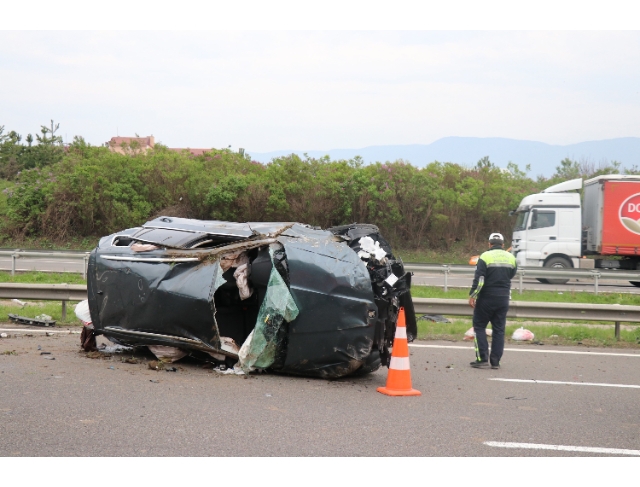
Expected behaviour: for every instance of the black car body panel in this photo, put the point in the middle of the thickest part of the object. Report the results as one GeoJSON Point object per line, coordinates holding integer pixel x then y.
{"type": "Point", "coordinates": [340, 317]}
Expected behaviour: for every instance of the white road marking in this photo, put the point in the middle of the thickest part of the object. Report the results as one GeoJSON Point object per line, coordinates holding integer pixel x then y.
{"type": "Point", "coordinates": [532, 351]}
{"type": "Point", "coordinates": [24, 330]}
{"type": "Point", "coordinates": [534, 381]}
{"type": "Point", "coordinates": [584, 449]}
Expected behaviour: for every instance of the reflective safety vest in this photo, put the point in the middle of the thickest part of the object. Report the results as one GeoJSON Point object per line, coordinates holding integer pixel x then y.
{"type": "Point", "coordinates": [494, 271]}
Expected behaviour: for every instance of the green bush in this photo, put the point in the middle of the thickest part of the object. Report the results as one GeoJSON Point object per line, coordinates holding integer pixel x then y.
{"type": "Point", "coordinates": [92, 191]}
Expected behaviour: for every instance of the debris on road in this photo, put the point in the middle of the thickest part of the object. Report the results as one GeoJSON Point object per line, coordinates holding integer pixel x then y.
{"type": "Point", "coordinates": [4, 335]}
{"type": "Point", "coordinates": [470, 334]}
{"type": "Point", "coordinates": [435, 318]}
{"type": "Point", "coordinates": [21, 303]}
{"type": "Point", "coordinates": [522, 335]}
{"type": "Point", "coordinates": [41, 320]}
{"type": "Point", "coordinates": [167, 354]}
{"type": "Point", "coordinates": [286, 297]}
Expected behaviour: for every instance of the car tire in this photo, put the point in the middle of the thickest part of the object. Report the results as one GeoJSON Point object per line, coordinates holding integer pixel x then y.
{"type": "Point", "coordinates": [635, 283]}
{"type": "Point", "coordinates": [558, 263]}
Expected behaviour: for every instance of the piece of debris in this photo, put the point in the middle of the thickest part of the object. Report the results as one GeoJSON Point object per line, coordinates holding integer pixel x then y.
{"type": "Point", "coordinates": [167, 354]}
{"type": "Point", "coordinates": [25, 320]}
{"type": "Point", "coordinates": [435, 318]}
{"type": "Point", "coordinates": [156, 364]}
{"type": "Point", "coordinates": [114, 348]}
{"type": "Point", "coordinates": [522, 335]}
{"type": "Point", "coordinates": [514, 398]}
{"type": "Point", "coordinates": [154, 381]}
{"type": "Point", "coordinates": [112, 367]}
{"type": "Point", "coordinates": [470, 334]}
{"type": "Point", "coordinates": [449, 367]}
{"type": "Point", "coordinates": [9, 352]}
{"type": "Point", "coordinates": [83, 313]}
{"type": "Point", "coordinates": [171, 369]}
{"type": "Point", "coordinates": [44, 317]}
{"type": "Point", "coordinates": [229, 371]}
{"type": "Point", "coordinates": [49, 333]}
{"type": "Point", "coordinates": [21, 303]}
{"type": "Point", "coordinates": [95, 354]}
{"type": "Point", "coordinates": [45, 353]}
{"type": "Point", "coordinates": [49, 358]}
{"type": "Point", "coordinates": [3, 335]}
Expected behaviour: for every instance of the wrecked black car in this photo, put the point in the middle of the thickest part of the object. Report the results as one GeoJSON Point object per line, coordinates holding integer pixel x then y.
{"type": "Point", "coordinates": [286, 297]}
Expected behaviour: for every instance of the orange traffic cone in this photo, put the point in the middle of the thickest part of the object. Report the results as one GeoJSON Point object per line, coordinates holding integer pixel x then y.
{"type": "Point", "coordinates": [399, 378]}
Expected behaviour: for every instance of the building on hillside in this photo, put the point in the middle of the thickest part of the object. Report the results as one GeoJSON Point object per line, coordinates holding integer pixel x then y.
{"type": "Point", "coordinates": [127, 145]}
{"type": "Point", "coordinates": [124, 145]}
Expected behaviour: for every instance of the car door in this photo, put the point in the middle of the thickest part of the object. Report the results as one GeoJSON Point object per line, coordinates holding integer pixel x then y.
{"type": "Point", "coordinates": [542, 230]}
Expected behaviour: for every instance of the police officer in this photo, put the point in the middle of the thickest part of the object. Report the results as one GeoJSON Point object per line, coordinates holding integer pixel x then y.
{"type": "Point", "coordinates": [489, 298]}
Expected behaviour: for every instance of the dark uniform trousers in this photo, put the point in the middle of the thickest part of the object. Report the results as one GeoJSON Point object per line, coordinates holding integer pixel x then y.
{"type": "Point", "coordinates": [490, 308]}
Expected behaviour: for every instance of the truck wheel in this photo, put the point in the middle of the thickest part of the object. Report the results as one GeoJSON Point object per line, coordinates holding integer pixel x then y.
{"type": "Point", "coordinates": [558, 263]}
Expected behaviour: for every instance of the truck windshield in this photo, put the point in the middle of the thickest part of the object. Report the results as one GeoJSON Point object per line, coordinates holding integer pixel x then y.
{"type": "Point", "coordinates": [521, 221]}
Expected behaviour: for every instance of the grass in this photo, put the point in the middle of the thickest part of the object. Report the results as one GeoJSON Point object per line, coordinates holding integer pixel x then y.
{"type": "Point", "coordinates": [437, 256]}
{"type": "Point", "coordinates": [35, 308]}
{"type": "Point", "coordinates": [84, 244]}
{"type": "Point", "coordinates": [547, 334]}
{"type": "Point", "coordinates": [42, 278]}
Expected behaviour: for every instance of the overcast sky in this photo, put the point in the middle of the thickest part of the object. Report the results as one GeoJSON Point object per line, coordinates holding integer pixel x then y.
{"type": "Point", "coordinates": [323, 89]}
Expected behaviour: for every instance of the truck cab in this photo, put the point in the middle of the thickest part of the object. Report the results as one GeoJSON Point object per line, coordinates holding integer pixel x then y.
{"type": "Point", "coordinates": [548, 228]}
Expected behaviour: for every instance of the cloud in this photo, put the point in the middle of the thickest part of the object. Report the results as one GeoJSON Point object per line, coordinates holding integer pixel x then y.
{"type": "Point", "coordinates": [320, 90]}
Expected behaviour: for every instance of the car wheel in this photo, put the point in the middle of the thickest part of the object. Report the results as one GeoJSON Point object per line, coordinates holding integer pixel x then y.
{"type": "Point", "coordinates": [558, 263]}
{"type": "Point", "coordinates": [635, 283]}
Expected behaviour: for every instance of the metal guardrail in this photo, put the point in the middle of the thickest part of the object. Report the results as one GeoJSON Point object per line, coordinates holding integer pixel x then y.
{"type": "Point", "coordinates": [45, 292]}
{"type": "Point", "coordinates": [535, 272]}
{"type": "Point", "coordinates": [446, 269]}
{"type": "Point", "coordinates": [538, 310]}
{"type": "Point", "coordinates": [534, 309]}
{"type": "Point", "coordinates": [16, 254]}
{"type": "Point", "coordinates": [452, 307]}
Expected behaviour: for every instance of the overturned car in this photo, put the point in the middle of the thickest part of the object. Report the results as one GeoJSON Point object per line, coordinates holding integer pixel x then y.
{"type": "Point", "coordinates": [286, 297]}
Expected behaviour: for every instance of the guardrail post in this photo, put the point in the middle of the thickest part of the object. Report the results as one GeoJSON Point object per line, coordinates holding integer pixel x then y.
{"type": "Point", "coordinates": [618, 330]}
{"type": "Point", "coordinates": [84, 268]}
{"type": "Point", "coordinates": [13, 264]}
{"type": "Point", "coordinates": [520, 279]}
{"type": "Point", "coordinates": [446, 278]}
{"type": "Point", "coordinates": [596, 275]}
{"type": "Point", "coordinates": [64, 310]}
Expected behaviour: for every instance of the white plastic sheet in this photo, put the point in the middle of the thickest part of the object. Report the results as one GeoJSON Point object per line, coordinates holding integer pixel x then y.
{"type": "Point", "coordinates": [82, 312]}
{"type": "Point", "coordinates": [522, 335]}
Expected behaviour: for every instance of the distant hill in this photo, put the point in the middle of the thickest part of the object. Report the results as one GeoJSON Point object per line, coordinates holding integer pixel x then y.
{"type": "Point", "coordinates": [542, 157]}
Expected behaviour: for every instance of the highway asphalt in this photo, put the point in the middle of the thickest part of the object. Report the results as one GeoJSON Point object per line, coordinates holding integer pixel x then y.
{"type": "Point", "coordinates": [78, 406]}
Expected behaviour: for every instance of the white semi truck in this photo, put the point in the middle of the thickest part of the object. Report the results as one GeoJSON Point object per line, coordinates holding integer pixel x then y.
{"type": "Point", "coordinates": [556, 229]}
